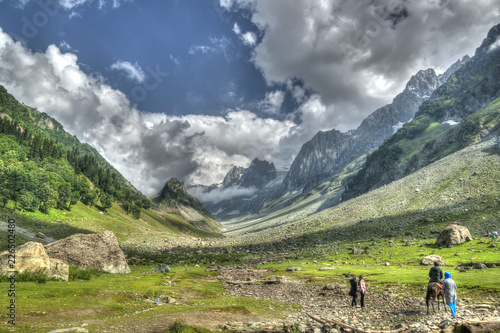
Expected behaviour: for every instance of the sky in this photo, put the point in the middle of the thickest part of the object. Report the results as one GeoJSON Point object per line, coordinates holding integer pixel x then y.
{"type": "Point", "coordinates": [190, 88]}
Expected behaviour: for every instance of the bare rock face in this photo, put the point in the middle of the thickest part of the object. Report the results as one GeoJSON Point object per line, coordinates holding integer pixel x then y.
{"type": "Point", "coordinates": [58, 269]}
{"type": "Point", "coordinates": [98, 251]}
{"type": "Point", "coordinates": [32, 257]}
{"type": "Point", "coordinates": [453, 235]}
{"type": "Point", "coordinates": [429, 260]}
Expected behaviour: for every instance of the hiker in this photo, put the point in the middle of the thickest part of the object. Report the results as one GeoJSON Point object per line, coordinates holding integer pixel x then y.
{"type": "Point", "coordinates": [362, 291]}
{"type": "Point", "coordinates": [450, 293]}
{"type": "Point", "coordinates": [354, 289]}
{"type": "Point", "coordinates": [495, 234]}
{"type": "Point", "coordinates": [436, 273]}
{"type": "Point", "coordinates": [489, 235]}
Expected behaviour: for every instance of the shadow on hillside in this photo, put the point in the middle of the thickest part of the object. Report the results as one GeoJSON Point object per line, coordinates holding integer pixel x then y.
{"type": "Point", "coordinates": [57, 230]}
{"type": "Point", "coordinates": [493, 150]}
{"type": "Point", "coordinates": [421, 225]}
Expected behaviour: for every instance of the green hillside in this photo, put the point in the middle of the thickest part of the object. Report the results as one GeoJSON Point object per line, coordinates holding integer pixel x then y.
{"type": "Point", "coordinates": [53, 183]}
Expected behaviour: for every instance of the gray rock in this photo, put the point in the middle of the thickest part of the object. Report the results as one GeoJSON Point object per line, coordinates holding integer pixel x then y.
{"type": "Point", "coordinates": [67, 330]}
{"type": "Point", "coordinates": [98, 251]}
{"type": "Point", "coordinates": [32, 257]}
{"type": "Point", "coordinates": [453, 235]}
{"type": "Point", "coordinates": [357, 251]}
{"type": "Point", "coordinates": [429, 260]}
{"type": "Point", "coordinates": [480, 265]}
{"type": "Point", "coordinates": [293, 269]}
{"type": "Point", "coordinates": [445, 323]}
{"type": "Point", "coordinates": [163, 268]}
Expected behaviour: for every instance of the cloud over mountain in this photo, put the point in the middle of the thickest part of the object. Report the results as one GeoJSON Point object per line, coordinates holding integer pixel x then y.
{"type": "Point", "coordinates": [357, 55]}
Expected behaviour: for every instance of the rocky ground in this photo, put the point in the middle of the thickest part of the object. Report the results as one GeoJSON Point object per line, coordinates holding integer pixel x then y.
{"type": "Point", "coordinates": [384, 311]}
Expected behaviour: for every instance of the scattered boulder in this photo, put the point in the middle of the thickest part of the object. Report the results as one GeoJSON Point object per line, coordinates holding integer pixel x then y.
{"type": "Point", "coordinates": [73, 329]}
{"type": "Point", "coordinates": [453, 235]}
{"type": "Point", "coordinates": [163, 268]}
{"type": "Point", "coordinates": [357, 251]}
{"type": "Point", "coordinates": [32, 257]}
{"type": "Point", "coordinates": [332, 286]}
{"type": "Point", "coordinates": [429, 260]}
{"type": "Point", "coordinates": [293, 269]}
{"type": "Point", "coordinates": [480, 265]}
{"type": "Point", "coordinates": [40, 235]}
{"type": "Point", "coordinates": [98, 251]}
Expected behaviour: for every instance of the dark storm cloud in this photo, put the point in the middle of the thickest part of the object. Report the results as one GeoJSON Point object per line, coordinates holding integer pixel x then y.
{"type": "Point", "coordinates": [357, 55]}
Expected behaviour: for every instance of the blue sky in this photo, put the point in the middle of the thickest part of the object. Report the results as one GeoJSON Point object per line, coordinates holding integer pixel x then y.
{"type": "Point", "coordinates": [205, 68]}
{"type": "Point", "coordinates": [188, 89]}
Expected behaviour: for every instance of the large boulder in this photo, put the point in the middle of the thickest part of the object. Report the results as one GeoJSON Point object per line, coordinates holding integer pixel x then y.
{"type": "Point", "coordinates": [32, 257]}
{"type": "Point", "coordinates": [429, 260]}
{"type": "Point", "coordinates": [99, 251]}
{"type": "Point", "coordinates": [453, 235]}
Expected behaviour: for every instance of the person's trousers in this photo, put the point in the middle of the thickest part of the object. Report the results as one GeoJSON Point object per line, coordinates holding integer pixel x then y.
{"type": "Point", "coordinates": [353, 303]}
{"type": "Point", "coordinates": [362, 300]}
{"type": "Point", "coordinates": [453, 308]}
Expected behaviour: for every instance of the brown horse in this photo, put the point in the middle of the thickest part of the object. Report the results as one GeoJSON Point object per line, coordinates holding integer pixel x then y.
{"type": "Point", "coordinates": [434, 290]}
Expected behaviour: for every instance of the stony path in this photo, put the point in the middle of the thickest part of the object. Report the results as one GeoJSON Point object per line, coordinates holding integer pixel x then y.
{"type": "Point", "coordinates": [384, 311]}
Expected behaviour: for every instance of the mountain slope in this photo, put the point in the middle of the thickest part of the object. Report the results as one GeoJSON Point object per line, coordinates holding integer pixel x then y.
{"type": "Point", "coordinates": [244, 191]}
{"type": "Point", "coordinates": [329, 152]}
{"type": "Point", "coordinates": [463, 186]}
{"type": "Point", "coordinates": [175, 198]}
{"type": "Point", "coordinates": [49, 180]}
{"type": "Point", "coordinates": [429, 137]}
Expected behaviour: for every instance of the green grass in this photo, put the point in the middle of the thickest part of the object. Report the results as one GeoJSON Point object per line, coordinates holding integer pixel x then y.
{"type": "Point", "coordinates": [125, 300]}
{"type": "Point", "coordinates": [59, 224]}
{"type": "Point", "coordinates": [112, 298]}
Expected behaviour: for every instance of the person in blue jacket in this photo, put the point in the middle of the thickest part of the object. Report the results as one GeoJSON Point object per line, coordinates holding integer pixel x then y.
{"type": "Point", "coordinates": [450, 293]}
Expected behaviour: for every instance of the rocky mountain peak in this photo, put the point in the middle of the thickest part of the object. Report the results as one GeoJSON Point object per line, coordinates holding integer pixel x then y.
{"type": "Point", "coordinates": [258, 174]}
{"type": "Point", "coordinates": [233, 177]}
{"type": "Point", "coordinates": [453, 68]}
{"type": "Point", "coordinates": [172, 186]}
{"type": "Point", "coordinates": [422, 84]}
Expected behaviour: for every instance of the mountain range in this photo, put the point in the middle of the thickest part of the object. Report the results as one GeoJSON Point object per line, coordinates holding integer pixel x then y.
{"type": "Point", "coordinates": [328, 156]}
{"type": "Point", "coordinates": [44, 167]}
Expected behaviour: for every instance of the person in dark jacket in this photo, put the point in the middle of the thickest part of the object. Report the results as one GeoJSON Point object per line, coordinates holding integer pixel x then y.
{"type": "Point", "coordinates": [354, 289]}
{"type": "Point", "coordinates": [436, 273]}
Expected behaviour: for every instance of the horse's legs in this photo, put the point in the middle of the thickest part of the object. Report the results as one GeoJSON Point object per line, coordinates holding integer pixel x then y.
{"type": "Point", "coordinates": [427, 297]}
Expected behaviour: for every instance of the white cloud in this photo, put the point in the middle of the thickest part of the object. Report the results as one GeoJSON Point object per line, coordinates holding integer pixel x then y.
{"type": "Point", "coordinates": [495, 45]}
{"type": "Point", "coordinates": [133, 71]}
{"type": "Point", "coordinates": [219, 45]}
{"type": "Point", "coordinates": [176, 61]}
{"type": "Point", "coordinates": [219, 195]}
{"type": "Point", "coordinates": [272, 102]}
{"type": "Point", "coordinates": [71, 4]}
{"type": "Point", "coordinates": [358, 55]}
{"type": "Point", "coordinates": [236, 29]}
{"type": "Point", "coordinates": [66, 47]}
{"type": "Point", "coordinates": [200, 49]}
{"type": "Point", "coordinates": [248, 38]}
{"type": "Point", "coordinates": [146, 148]}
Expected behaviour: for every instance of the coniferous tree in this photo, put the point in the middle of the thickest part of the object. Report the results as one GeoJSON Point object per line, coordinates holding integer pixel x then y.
{"type": "Point", "coordinates": [64, 195]}
{"type": "Point", "coordinates": [106, 201]}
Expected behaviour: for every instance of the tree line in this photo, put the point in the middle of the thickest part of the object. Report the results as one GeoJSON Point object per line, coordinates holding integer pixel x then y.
{"type": "Point", "coordinates": [39, 173]}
